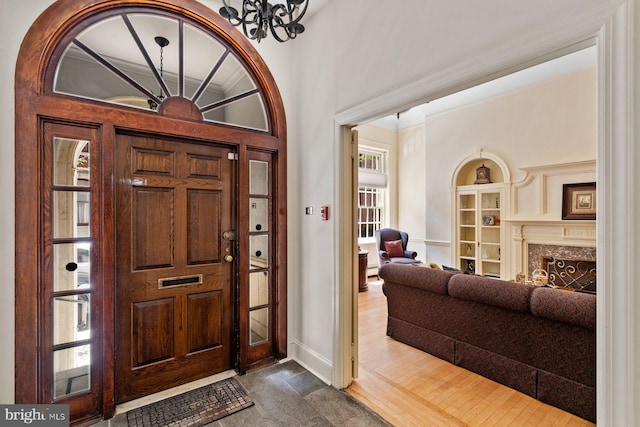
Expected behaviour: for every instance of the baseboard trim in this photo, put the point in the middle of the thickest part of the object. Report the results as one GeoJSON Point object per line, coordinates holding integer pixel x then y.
{"type": "Point", "coordinates": [311, 361]}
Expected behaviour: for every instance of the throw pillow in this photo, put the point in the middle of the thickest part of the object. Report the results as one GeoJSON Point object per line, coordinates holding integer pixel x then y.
{"type": "Point", "coordinates": [394, 248]}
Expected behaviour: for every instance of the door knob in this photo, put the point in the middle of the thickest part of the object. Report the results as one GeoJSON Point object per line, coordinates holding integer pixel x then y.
{"type": "Point", "coordinates": [228, 258]}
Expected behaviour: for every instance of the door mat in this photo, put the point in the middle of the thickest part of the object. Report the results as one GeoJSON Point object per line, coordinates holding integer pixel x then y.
{"type": "Point", "coordinates": [193, 408]}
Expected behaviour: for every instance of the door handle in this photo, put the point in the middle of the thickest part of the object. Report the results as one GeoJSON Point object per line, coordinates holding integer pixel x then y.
{"type": "Point", "coordinates": [228, 258]}
{"type": "Point", "coordinates": [229, 235]}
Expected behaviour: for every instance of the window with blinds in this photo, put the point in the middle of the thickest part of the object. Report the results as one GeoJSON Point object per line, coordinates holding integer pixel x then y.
{"type": "Point", "coordinates": [372, 184]}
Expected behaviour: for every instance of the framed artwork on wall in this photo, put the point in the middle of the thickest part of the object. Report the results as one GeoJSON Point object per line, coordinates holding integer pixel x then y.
{"type": "Point", "coordinates": [579, 201]}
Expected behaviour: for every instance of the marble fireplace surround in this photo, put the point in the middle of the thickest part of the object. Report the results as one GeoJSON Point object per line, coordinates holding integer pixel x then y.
{"type": "Point", "coordinates": [537, 252]}
{"type": "Point", "coordinates": [563, 240]}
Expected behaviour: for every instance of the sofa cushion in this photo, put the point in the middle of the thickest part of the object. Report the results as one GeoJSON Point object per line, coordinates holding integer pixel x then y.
{"type": "Point", "coordinates": [485, 290]}
{"type": "Point", "coordinates": [394, 248]}
{"type": "Point", "coordinates": [575, 308]}
{"type": "Point", "coordinates": [416, 276]}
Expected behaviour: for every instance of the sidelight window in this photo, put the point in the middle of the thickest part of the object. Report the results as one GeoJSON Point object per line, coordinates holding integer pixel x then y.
{"type": "Point", "coordinates": [259, 242]}
{"type": "Point", "coordinates": [70, 290]}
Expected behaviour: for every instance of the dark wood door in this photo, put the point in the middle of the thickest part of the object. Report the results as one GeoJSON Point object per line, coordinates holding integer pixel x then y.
{"type": "Point", "coordinates": [174, 265]}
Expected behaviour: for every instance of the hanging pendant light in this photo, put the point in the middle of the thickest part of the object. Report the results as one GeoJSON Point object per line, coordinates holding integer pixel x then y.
{"type": "Point", "coordinates": [280, 17]}
{"type": "Point", "coordinates": [162, 42]}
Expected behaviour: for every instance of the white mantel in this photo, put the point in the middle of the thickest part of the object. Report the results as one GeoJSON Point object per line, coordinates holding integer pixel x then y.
{"type": "Point", "coordinates": [536, 209]}
{"type": "Point", "coordinates": [561, 233]}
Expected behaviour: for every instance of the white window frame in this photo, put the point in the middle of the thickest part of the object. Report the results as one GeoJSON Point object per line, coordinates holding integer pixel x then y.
{"type": "Point", "coordinates": [373, 181]}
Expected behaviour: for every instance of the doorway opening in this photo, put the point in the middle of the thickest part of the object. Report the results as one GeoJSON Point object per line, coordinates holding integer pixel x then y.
{"type": "Point", "coordinates": [418, 187]}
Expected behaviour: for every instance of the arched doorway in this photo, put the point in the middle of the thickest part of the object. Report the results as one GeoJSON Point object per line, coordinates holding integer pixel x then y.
{"type": "Point", "coordinates": [150, 182]}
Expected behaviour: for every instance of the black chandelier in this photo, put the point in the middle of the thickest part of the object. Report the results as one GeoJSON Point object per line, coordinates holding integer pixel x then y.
{"type": "Point", "coordinates": [282, 18]}
{"type": "Point", "coordinates": [162, 42]}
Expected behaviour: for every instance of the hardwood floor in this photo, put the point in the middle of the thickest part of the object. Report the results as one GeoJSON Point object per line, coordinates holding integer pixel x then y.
{"type": "Point", "coordinates": [409, 387]}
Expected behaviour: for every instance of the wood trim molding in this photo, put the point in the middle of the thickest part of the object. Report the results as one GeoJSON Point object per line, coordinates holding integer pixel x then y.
{"type": "Point", "coordinates": [38, 53]}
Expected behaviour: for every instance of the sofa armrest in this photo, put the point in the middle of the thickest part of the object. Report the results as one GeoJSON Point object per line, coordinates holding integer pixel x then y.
{"type": "Point", "coordinates": [575, 308]}
{"type": "Point", "coordinates": [384, 255]}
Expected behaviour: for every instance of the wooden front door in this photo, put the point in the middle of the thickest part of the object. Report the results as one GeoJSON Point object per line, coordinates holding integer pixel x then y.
{"type": "Point", "coordinates": [174, 256]}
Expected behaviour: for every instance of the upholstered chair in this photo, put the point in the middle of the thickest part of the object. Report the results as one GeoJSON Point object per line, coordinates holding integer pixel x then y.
{"type": "Point", "coordinates": [392, 247]}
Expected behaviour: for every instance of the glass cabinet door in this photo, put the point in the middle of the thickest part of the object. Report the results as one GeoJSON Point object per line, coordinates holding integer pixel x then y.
{"type": "Point", "coordinates": [479, 231]}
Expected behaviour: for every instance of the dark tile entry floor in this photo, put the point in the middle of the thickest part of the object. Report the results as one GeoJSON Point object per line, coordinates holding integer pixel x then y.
{"type": "Point", "coordinates": [288, 395]}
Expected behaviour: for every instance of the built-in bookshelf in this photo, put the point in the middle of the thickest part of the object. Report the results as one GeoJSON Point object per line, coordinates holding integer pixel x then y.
{"type": "Point", "coordinates": [479, 229]}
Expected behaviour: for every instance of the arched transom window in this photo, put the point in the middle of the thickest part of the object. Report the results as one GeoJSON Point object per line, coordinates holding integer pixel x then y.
{"type": "Point", "coordinates": [150, 61]}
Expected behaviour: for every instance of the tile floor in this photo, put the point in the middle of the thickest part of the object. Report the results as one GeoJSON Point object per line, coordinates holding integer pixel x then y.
{"type": "Point", "coordinates": [287, 394]}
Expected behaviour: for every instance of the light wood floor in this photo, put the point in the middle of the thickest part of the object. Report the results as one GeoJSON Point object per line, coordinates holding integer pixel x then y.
{"type": "Point", "coordinates": [409, 387]}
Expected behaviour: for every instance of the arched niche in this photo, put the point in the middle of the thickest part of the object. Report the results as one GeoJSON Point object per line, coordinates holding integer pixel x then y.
{"type": "Point", "coordinates": [465, 173]}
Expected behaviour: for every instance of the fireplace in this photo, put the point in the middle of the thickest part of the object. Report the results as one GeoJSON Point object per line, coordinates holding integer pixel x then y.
{"type": "Point", "coordinates": [571, 267]}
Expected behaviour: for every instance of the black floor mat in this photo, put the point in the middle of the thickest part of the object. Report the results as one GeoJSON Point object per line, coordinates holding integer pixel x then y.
{"type": "Point", "coordinates": [193, 408]}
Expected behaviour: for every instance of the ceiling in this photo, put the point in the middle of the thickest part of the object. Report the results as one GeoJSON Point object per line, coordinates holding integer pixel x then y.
{"type": "Point", "coordinates": [549, 70]}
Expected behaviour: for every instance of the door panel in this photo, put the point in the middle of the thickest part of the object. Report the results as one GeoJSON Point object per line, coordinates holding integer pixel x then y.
{"type": "Point", "coordinates": [204, 329]}
{"type": "Point", "coordinates": [153, 219]}
{"type": "Point", "coordinates": [173, 286]}
{"type": "Point", "coordinates": [153, 326]}
{"type": "Point", "coordinates": [202, 221]}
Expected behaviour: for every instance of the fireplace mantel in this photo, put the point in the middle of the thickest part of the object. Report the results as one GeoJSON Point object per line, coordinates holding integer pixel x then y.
{"type": "Point", "coordinates": [536, 209]}
{"type": "Point", "coordinates": [581, 234]}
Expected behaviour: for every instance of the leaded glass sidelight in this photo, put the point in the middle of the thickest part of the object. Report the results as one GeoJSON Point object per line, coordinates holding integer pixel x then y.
{"type": "Point", "coordinates": [120, 60]}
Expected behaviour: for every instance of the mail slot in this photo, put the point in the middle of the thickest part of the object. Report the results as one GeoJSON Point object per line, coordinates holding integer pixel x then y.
{"type": "Point", "coordinates": [179, 281]}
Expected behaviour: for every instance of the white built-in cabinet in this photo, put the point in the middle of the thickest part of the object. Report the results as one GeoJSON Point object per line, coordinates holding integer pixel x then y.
{"type": "Point", "coordinates": [480, 240]}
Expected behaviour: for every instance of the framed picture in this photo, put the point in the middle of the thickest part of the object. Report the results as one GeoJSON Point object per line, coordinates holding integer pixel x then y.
{"type": "Point", "coordinates": [579, 201]}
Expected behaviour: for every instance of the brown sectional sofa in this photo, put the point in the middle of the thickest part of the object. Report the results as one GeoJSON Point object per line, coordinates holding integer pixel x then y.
{"type": "Point", "coordinates": [540, 341]}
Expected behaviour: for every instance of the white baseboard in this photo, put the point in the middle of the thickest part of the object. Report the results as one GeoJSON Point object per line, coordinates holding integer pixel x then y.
{"type": "Point", "coordinates": [311, 361]}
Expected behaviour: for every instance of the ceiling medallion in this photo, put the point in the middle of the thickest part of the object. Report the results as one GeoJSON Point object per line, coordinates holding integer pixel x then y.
{"type": "Point", "coordinates": [280, 17]}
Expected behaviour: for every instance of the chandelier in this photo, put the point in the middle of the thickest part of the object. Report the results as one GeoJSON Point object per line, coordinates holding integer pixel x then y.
{"type": "Point", "coordinates": [162, 42]}
{"type": "Point", "coordinates": [281, 17]}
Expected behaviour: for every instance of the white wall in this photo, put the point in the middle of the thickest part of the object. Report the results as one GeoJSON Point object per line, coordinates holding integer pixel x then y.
{"type": "Point", "coordinates": [412, 181]}
{"type": "Point", "coordinates": [549, 123]}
